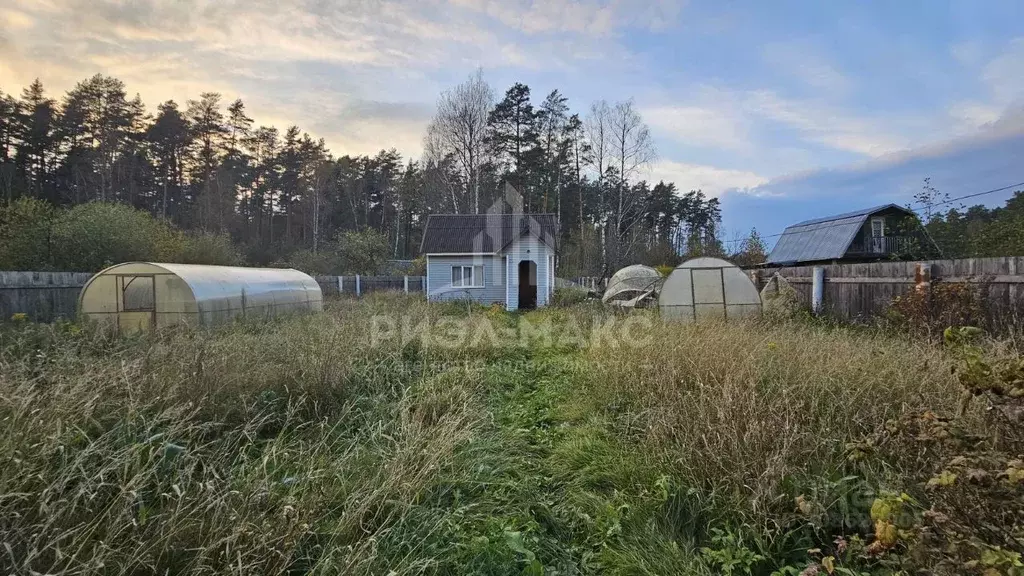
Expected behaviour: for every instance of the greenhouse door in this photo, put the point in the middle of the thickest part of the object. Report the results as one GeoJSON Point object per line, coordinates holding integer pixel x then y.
{"type": "Point", "coordinates": [136, 302]}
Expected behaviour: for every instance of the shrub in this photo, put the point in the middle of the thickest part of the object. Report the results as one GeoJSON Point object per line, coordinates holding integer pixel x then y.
{"type": "Point", "coordinates": [25, 235]}
{"type": "Point", "coordinates": [664, 269]}
{"type": "Point", "coordinates": [315, 263]}
{"type": "Point", "coordinates": [566, 297]}
{"type": "Point", "coordinates": [98, 234]}
{"type": "Point", "coordinates": [928, 313]}
{"type": "Point", "coordinates": [205, 248]}
{"type": "Point", "coordinates": [362, 252]}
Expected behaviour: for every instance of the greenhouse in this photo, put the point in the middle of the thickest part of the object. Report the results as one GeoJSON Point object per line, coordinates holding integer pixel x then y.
{"type": "Point", "coordinates": [708, 288]}
{"type": "Point", "coordinates": [146, 295]}
{"type": "Point", "coordinates": [632, 286]}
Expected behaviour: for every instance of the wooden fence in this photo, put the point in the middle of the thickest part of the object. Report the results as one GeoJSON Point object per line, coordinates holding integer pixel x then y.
{"type": "Point", "coordinates": [860, 291]}
{"type": "Point", "coordinates": [47, 296]}
{"type": "Point", "coordinates": [42, 296]}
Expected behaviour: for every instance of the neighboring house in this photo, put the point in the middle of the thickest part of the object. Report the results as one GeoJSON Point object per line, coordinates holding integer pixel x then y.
{"type": "Point", "coordinates": [882, 232]}
{"type": "Point", "coordinates": [491, 258]}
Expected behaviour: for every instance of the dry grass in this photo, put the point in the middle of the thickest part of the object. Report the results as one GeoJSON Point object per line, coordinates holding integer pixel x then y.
{"type": "Point", "coordinates": [299, 446]}
{"type": "Point", "coordinates": [254, 449]}
{"type": "Point", "coordinates": [750, 413]}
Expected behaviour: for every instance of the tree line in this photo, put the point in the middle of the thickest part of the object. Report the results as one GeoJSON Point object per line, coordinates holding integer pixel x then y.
{"type": "Point", "coordinates": [207, 169]}
{"type": "Point", "coordinates": [975, 231]}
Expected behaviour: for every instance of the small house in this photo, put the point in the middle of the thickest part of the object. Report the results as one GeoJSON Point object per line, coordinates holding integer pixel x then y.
{"type": "Point", "coordinates": [879, 233]}
{"type": "Point", "coordinates": [491, 258]}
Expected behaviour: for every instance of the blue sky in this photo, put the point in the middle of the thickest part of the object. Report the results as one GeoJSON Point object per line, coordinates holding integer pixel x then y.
{"type": "Point", "coordinates": [785, 110]}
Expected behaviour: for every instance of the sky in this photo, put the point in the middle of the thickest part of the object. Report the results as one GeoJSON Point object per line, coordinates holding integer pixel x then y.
{"type": "Point", "coordinates": [784, 110]}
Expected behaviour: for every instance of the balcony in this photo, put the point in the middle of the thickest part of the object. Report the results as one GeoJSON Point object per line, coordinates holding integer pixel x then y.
{"type": "Point", "coordinates": [881, 246]}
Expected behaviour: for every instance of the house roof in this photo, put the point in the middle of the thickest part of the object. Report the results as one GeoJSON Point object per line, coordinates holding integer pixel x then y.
{"type": "Point", "coordinates": [484, 233]}
{"type": "Point", "coordinates": [825, 238]}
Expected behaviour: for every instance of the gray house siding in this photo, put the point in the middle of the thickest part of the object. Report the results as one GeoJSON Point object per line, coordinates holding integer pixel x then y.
{"type": "Point", "coordinates": [439, 278]}
{"type": "Point", "coordinates": [529, 248]}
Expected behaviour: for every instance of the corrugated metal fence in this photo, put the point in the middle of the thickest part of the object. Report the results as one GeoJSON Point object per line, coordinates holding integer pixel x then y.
{"type": "Point", "coordinates": [47, 296]}
{"type": "Point", "coordinates": [860, 291]}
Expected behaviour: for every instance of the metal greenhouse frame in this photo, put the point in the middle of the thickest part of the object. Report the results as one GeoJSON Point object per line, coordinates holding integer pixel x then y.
{"type": "Point", "coordinates": [147, 295]}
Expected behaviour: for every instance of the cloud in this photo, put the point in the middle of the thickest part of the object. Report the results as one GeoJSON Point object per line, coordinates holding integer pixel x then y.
{"type": "Point", "coordinates": [713, 181]}
{"type": "Point", "coordinates": [701, 126]}
{"type": "Point", "coordinates": [1004, 74]}
{"type": "Point", "coordinates": [588, 17]}
{"type": "Point", "coordinates": [802, 60]}
{"type": "Point", "coordinates": [988, 158]}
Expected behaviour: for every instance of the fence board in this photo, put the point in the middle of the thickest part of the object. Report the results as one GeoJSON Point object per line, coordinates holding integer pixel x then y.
{"type": "Point", "coordinates": [860, 291]}
{"type": "Point", "coordinates": [43, 296]}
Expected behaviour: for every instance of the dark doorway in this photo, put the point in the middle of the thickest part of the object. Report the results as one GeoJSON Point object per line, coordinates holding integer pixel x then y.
{"type": "Point", "coordinates": [527, 284]}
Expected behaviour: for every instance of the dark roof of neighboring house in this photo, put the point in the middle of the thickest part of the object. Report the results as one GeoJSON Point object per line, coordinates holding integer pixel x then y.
{"type": "Point", "coordinates": [825, 238]}
{"type": "Point", "coordinates": [484, 233]}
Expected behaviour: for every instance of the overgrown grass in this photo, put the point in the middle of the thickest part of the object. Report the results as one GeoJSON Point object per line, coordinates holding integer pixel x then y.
{"type": "Point", "coordinates": [303, 446]}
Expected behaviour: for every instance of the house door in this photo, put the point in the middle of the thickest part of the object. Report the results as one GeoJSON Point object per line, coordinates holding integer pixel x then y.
{"type": "Point", "coordinates": [527, 284]}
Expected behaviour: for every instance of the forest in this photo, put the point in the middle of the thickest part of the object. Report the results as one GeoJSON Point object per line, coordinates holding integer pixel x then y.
{"type": "Point", "coordinates": [230, 190]}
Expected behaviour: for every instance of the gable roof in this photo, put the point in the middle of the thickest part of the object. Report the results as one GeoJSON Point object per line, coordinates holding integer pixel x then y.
{"type": "Point", "coordinates": [825, 238]}
{"type": "Point", "coordinates": [484, 233]}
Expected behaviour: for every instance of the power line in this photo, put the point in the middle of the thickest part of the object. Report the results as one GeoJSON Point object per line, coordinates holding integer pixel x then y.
{"type": "Point", "coordinates": [921, 205]}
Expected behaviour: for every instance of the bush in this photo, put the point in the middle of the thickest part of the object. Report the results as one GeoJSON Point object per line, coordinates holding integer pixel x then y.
{"type": "Point", "coordinates": [362, 252]}
{"type": "Point", "coordinates": [928, 313]}
{"type": "Point", "coordinates": [205, 248]}
{"type": "Point", "coordinates": [568, 296]}
{"type": "Point", "coordinates": [315, 263]}
{"type": "Point", "coordinates": [25, 235]}
{"type": "Point", "coordinates": [98, 234]}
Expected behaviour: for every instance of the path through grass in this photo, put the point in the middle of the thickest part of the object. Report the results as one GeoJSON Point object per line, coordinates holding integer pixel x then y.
{"type": "Point", "coordinates": [302, 446]}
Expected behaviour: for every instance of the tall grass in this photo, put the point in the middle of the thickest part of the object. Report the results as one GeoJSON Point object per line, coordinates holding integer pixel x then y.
{"type": "Point", "coordinates": [302, 446]}
{"type": "Point", "coordinates": [254, 449]}
{"type": "Point", "coordinates": [751, 415]}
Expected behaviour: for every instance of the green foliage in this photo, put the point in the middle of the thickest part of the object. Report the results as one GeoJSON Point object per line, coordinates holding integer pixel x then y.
{"type": "Point", "coordinates": [979, 231]}
{"type": "Point", "coordinates": [99, 234]}
{"type": "Point", "coordinates": [564, 297]}
{"type": "Point", "coordinates": [752, 250]}
{"type": "Point", "coordinates": [315, 263]}
{"type": "Point", "coordinates": [205, 248]}
{"type": "Point", "coordinates": [728, 555]}
{"type": "Point", "coordinates": [90, 237]}
{"type": "Point", "coordinates": [361, 252]}
{"type": "Point", "coordinates": [664, 269]}
{"type": "Point", "coordinates": [25, 242]}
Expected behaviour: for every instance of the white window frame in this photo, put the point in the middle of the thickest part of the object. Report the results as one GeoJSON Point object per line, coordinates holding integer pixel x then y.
{"type": "Point", "coordinates": [476, 277]}
{"type": "Point", "coordinates": [881, 227]}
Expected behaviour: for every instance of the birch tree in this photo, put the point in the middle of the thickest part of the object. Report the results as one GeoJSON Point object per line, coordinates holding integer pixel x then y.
{"type": "Point", "coordinates": [458, 131]}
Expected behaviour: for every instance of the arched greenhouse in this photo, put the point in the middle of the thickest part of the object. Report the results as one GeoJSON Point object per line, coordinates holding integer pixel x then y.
{"type": "Point", "coordinates": [146, 295]}
{"type": "Point", "coordinates": [704, 288]}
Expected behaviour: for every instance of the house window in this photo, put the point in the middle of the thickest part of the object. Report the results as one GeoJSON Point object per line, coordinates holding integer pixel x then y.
{"type": "Point", "coordinates": [878, 235]}
{"type": "Point", "coordinates": [468, 276]}
{"type": "Point", "coordinates": [878, 227]}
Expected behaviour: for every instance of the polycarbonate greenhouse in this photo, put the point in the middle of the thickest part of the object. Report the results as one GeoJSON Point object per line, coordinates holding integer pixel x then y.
{"type": "Point", "coordinates": [632, 284]}
{"type": "Point", "coordinates": [146, 295]}
{"type": "Point", "coordinates": [708, 288]}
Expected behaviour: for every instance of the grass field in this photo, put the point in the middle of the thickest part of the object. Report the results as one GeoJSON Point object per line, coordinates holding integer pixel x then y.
{"type": "Point", "coordinates": [331, 444]}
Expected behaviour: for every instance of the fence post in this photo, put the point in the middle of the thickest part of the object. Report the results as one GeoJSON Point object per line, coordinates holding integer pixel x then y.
{"type": "Point", "coordinates": [818, 289]}
{"type": "Point", "coordinates": [358, 288]}
{"type": "Point", "coordinates": [341, 285]}
{"type": "Point", "coordinates": [405, 279]}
